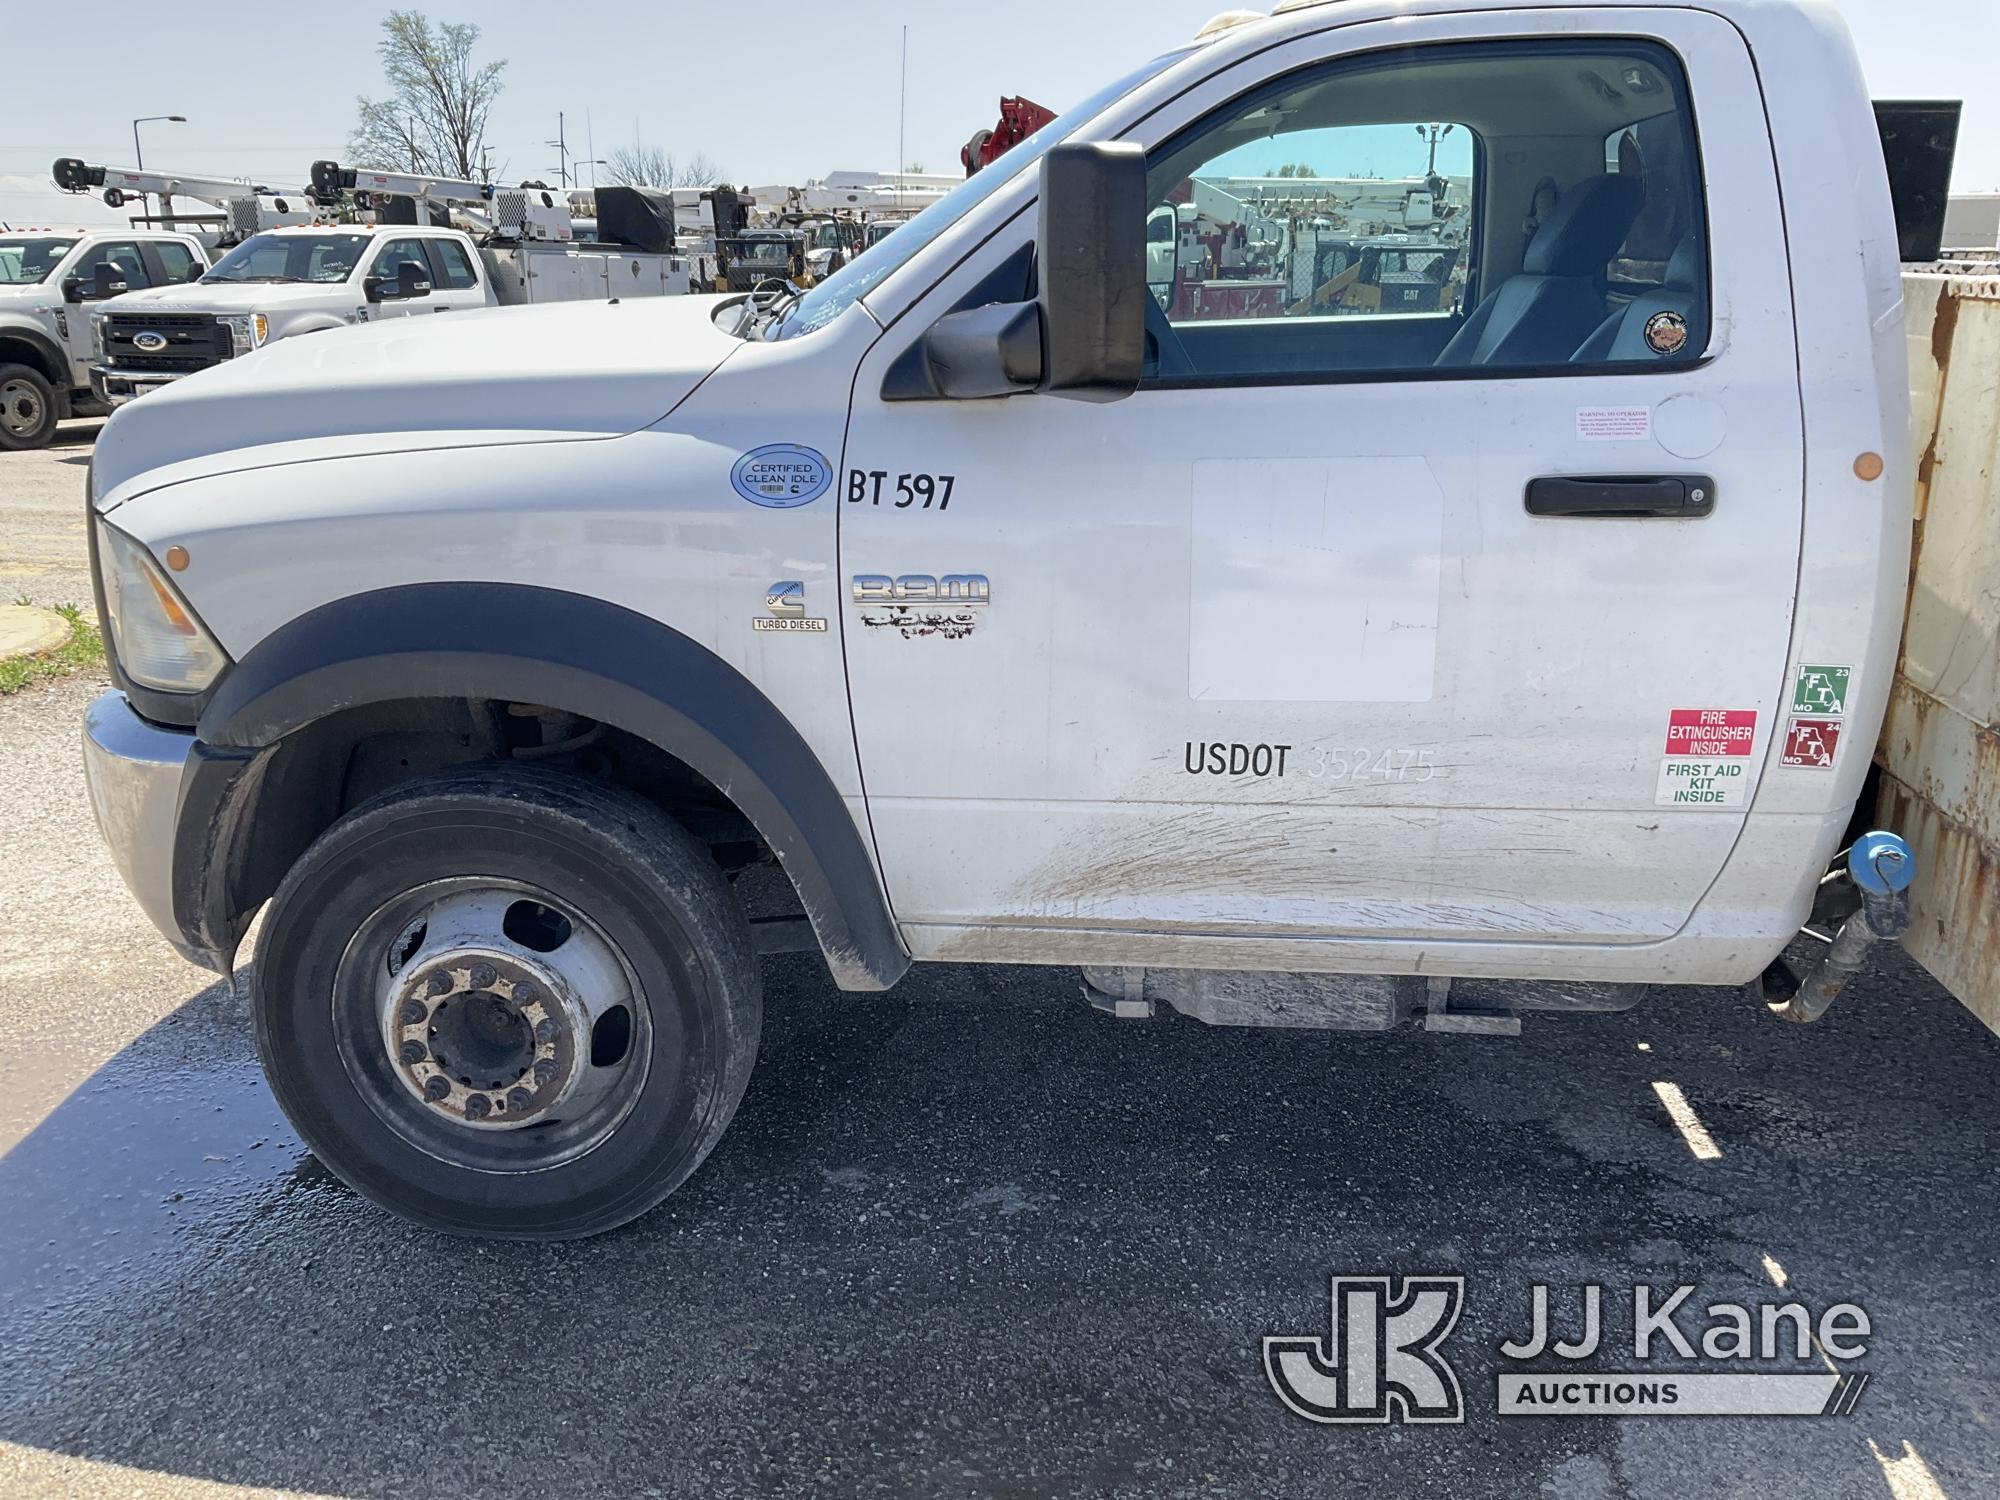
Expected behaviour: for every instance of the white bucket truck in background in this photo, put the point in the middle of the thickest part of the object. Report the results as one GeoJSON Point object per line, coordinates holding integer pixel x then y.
{"type": "Point", "coordinates": [1308, 665]}
{"type": "Point", "coordinates": [435, 246]}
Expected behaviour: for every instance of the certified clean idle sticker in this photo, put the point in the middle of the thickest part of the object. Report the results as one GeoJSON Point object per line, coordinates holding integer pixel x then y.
{"type": "Point", "coordinates": [781, 476]}
{"type": "Point", "coordinates": [1702, 783]}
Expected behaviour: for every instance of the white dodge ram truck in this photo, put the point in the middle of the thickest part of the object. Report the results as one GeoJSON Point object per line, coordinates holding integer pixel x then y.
{"type": "Point", "coordinates": [1273, 664]}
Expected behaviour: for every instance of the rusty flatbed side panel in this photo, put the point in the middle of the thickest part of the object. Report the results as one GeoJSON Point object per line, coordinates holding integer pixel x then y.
{"type": "Point", "coordinates": [1940, 747]}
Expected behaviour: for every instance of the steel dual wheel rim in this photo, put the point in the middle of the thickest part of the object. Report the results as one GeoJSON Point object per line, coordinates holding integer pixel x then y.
{"type": "Point", "coordinates": [22, 410]}
{"type": "Point", "coordinates": [491, 1025]}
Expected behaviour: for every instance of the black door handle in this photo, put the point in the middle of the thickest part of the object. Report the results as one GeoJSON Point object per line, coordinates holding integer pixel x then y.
{"type": "Point", "coordinates": [1622, 495]}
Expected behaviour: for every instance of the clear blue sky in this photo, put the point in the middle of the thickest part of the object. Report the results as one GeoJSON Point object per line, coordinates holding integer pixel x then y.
{"type": "Point", "coordinates": [812, 89]}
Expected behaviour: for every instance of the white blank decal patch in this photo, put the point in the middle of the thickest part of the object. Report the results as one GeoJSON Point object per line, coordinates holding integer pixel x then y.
{"type": "Point", "coordinates": [1314, 580]}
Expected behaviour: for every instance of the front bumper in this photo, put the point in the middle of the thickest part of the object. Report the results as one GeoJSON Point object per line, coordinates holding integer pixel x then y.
{"type": "Point", "coordinates": [134, 771]}
{"type": "Point", "coordinates": [115, 387]}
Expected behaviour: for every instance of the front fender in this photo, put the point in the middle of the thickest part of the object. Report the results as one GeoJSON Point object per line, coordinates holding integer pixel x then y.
{"type": "Point", "coordinates": [49, 355]}
{"type": "Point", "coordinates": [519, 643]}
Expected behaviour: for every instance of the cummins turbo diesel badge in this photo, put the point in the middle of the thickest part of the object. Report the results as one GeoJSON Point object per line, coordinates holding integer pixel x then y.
{"type": "Point", "coordinates": [781, 476]}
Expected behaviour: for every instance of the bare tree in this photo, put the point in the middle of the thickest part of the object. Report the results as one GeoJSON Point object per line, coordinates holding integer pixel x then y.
{"type": "Point", "coordinates": [649, 166]}
{"type": "Point", "coordinates": [434, 118]}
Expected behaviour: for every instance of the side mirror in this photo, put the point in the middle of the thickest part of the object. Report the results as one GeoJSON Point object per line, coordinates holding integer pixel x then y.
{"type": "Point", "coordinates": [106, 281]}
{"type": "Point", "coordinates": [1084, 337]}
{"type": "Point", "coordinates": [195, 271]}
{"type": "Point", "coordinates": [72, 290]}
{"type": "Point", "coordinates": [412, 280]}
{"type": "Point", "coordinates": [1092, 249]}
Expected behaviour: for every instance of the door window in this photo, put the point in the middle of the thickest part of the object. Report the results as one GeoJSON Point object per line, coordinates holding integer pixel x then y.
{"type": "Point", "coordinates": [1487, 208]}
{"type": "Point", "coordinates": [392, 255]}
{"type": "Point", "coordinates": [457, 266]}
{"type": "Point", "coordinates": [176, 260]}
{"type": "Point", "coordinates": [123, 256]}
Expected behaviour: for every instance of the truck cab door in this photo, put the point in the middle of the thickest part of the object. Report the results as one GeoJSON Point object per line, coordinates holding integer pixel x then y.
{"type": "Point", "coordinates": [388, 257]}
{"type": "Point", "coordinates": [1361, 637]}
{"type": "Point", "coordinates": [128, 266]}
{"type": "Point", "coordinates": [455, 276]}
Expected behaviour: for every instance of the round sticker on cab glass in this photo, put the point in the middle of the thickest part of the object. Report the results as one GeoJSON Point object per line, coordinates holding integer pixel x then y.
{"type": "Point", "coordinates": [781, 476]}
{"type": "Point", "coordinates": [1666, 333]}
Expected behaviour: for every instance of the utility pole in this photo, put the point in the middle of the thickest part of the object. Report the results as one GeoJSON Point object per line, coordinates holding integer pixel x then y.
{"type": "Point", "coordinates": [561, 143]}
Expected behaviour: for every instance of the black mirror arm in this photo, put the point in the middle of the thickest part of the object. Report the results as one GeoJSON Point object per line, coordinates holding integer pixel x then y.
{"type": "Point", "coordinates": [982, 352]}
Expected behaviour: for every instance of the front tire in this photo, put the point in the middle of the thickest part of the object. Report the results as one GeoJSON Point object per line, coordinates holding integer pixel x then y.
{"type": "Point", "coordinates": [27, 408]}
{"type": "Point", "coordinates": [507, 1002]}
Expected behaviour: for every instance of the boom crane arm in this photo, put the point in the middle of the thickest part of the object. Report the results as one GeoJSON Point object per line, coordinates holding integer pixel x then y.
{"type": "Point", "coordinates": [121, 183]}
{"type": "Point", "coordinates": [331, 181]}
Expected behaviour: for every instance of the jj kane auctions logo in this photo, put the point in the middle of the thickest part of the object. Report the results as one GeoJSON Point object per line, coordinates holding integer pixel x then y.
{"type": "Point", "coordinates": [1382, 1359]}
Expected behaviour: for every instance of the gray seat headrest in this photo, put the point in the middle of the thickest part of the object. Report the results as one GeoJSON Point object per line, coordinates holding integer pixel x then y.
{"type": "Point", "coordinates": [1587, 227]}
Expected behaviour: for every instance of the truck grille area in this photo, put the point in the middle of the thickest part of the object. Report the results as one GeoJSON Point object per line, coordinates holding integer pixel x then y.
{"type": "Point", "coordinates": [194, 342]}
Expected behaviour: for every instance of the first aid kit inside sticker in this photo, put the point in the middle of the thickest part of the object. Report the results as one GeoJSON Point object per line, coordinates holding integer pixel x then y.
{"type": "Point", "coordinates": [1686, 782]}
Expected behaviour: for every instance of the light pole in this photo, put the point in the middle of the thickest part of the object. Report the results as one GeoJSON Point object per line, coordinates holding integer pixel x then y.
{"type": "Point", "coordinates": [594, 163]}
{"type": "Point", "coordinates": [139, 152]}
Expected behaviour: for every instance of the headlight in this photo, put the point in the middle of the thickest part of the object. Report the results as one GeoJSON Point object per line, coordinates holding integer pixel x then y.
{"type": "Point", "coordinates": [160, 643]}
{"type": "Point", "coordinates": [97, 334]}
{"type": "Point", "coordinates": [247, 331]}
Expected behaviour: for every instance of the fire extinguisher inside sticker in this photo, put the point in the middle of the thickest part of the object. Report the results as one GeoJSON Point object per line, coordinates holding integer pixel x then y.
{"type": "Point", "coordinates": [1686, 782]}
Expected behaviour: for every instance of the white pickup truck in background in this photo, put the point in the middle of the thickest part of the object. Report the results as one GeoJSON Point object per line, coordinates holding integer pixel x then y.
{"type": "Point", "coordinates": [288, 281]}
{"type": "Point", "coordinates": [51, 284]}
{"type": "Point", "coordinates": [307, 278]}
{"type": "Point", "coordinates": [1266, 653]}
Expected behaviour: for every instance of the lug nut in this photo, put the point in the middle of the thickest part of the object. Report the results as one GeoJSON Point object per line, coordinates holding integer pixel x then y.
{"type": "Point", "coordinates": [526, 994]}
{"type": "Point", "coordinates": [545, 1072]}
{"type": "Point", "coordinates": [478, 1107]}
{"type": "Point", "coordinates": [546, 1029]}
{"type": "Point", "coordinates": [519, 1099]}
{"type": "Point", "coordinates": [413, 1012]}
{"type": "Point", "coordinates": [439, 983]}
{"type": "Point", "coordinates": [414, 1052]}
{"type": "Point", "coordinates": [483, 977]}
{"type": "Point", "coordinates": [436, 1088]}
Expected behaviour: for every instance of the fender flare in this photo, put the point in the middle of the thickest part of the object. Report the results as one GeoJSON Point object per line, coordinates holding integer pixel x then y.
{"type": "Point", "coordinates": [51, 359]}
{"type": "Point", "coordinates": [587, 656]}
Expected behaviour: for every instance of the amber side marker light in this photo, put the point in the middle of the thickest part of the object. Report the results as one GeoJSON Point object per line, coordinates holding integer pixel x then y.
{"type": "Point", "coordinates": [177, 558]}
{"type": "Point", "coordinates": [1868, 467]}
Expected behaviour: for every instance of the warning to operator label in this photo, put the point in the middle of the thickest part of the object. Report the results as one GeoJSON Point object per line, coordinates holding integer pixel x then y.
{"type": "Point", "coordinates": [1702, 783]}
{"type": "Point", "coordinates": [1711, 732]}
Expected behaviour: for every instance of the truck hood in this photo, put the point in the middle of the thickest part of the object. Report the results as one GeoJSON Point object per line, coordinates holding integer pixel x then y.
{"type": "Point", "coordinates": [571, 372]}
{"type": "Point", "coordinates": [35, 294]}
{"type": "Point", "coordinates": [236, 297]}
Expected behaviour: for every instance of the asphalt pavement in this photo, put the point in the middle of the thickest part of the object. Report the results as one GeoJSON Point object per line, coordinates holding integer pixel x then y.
{"type": "Point", "coordinates": [43, 547]}
{"type": "Point", "coordinates": [970, 1237]}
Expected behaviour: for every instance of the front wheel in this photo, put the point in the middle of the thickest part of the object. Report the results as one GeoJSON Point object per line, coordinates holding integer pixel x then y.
{"type": "Point", "coordinates": [27, 408]}
{"type": "Point", "coordinates": [508, 1002]}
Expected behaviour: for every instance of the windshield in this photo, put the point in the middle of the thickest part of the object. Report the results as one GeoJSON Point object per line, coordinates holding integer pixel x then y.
{"type": "Point", "coordinates": [24, 262]}
{"type": "Point", "coordinates": [323, 258]}
{"type": "Point", "coordinates": [864, 273]}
